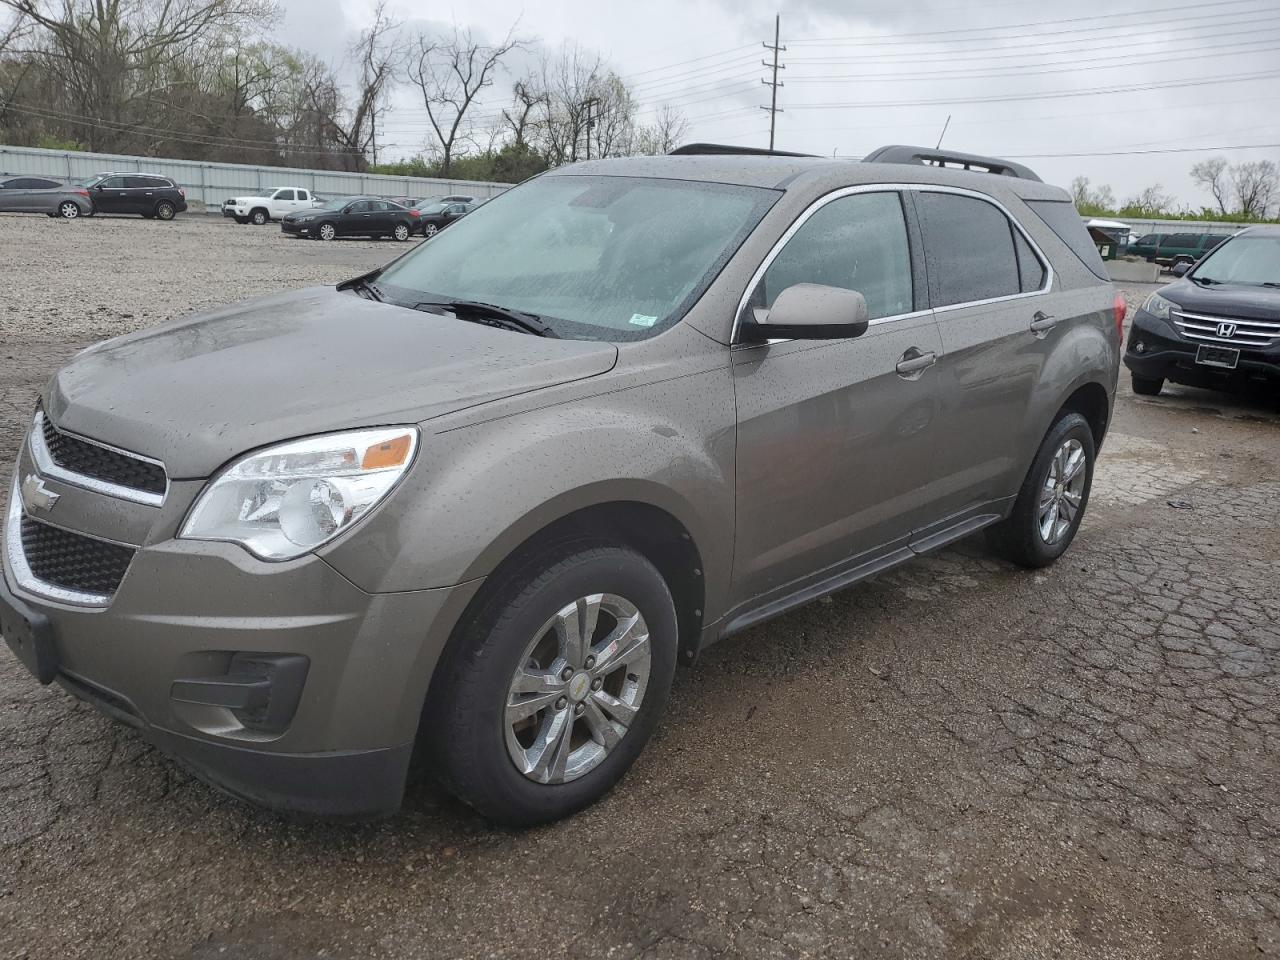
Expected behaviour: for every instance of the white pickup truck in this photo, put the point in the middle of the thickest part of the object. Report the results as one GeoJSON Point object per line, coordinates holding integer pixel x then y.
{"type": "Point", "coordinates": [275, 206]}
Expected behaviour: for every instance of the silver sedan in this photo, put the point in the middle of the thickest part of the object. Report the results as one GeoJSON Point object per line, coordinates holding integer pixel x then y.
{"type": "Point", "coordinates": [57, 198]}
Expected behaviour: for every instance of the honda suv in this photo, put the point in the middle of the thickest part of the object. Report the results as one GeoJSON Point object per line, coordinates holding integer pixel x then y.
{"type": "Point", "coordinates": [483, 500]}
{"type": "Point", "coordinates": [1218, 325]}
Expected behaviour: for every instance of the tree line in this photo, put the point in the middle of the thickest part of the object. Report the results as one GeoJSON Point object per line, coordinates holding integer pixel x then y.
{"type": "Point", "coordinates": [193, 79]}
{"type": "Point", "coordinates": [1247, 192]}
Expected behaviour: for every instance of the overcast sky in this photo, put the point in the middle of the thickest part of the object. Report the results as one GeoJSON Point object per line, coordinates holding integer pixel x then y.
{"type": "Point", "coordinates": [863, 73]}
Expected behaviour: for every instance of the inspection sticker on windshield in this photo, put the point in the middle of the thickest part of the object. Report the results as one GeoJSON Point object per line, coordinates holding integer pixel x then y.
{"type": "Point", "coordinates": [640, 320]}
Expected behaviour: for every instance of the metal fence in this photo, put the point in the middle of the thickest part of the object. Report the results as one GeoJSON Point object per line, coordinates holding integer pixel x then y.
{"type": "Point", "coordinates": [211, 183]}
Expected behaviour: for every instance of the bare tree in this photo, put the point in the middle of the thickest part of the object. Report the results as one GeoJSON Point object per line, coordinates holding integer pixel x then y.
{"type": "Point", "coordinates": [108, 55]}
{"type": "Point", "coordinates": [450, 73]}
{"type": "Point", "coordinates": [1150, 202]}
{"type": "Point", "coordinates": [1256, 185]}
{"type": "Point", "coordinates": [1089, 200]}
{"type": "Point", "coordinates": [1212, 175]}
{"type": "Point", "coordinates": [519, 118]}
{"type": "Point", "coordinates": [664, 134]}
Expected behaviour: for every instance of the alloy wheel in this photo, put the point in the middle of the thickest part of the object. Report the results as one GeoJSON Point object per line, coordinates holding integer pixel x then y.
{"type": "Point", "coordinates": [578, 688]}
{"type": "Point", "coordinates": [402, 232]}
{"type": "Point", "coordinates": [165, 211]}
{"type": "Point", "coordinates": [430, 230]}
{"type": "Point", "coordinates": [327, 231]}
{"type": "Point", "coordinates": [1063, 491]}
{"type": "Point", "coordinates": [69, 210]}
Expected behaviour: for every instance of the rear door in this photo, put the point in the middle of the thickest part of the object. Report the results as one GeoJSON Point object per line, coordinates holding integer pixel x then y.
{"type": "Point", "coordinates": [988, 285]}
{"type": "Point", "coordinates": [140, 194]}
{"type": "Point", "coordinates": [44, 194]}
{"type": "Point", "coordinates": [15, 196]}
{"type": "Point", "coordinates": [835, 437]}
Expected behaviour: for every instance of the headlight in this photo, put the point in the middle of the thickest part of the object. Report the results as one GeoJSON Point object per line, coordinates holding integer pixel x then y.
{"type": "Point", "coordinates": [1158, 306]}
{"type": "Point", "coordinates": [284, 501]}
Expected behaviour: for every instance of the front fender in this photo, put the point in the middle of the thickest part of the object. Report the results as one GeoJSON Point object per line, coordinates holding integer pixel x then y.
{"type": "Point", "coordinates": [479, 491]}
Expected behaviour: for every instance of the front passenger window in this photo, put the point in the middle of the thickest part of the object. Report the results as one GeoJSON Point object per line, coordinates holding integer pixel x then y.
{"type": "Point", "coordinates": [858, 242]}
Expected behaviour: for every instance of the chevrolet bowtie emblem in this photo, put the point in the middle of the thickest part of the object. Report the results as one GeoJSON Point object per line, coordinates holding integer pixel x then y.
{"type": "Point", "coordinates": [36, 496]}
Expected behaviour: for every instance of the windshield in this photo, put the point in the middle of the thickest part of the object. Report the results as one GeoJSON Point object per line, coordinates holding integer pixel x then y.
{"type": "Point", "coordinates": [335, 204]}
{"type": "Point", "coordinates": [1249, 260]}
{"type": "Point", "coordinates": [598, 258]}
{"type": "Point", "coordinates": [433, 207]}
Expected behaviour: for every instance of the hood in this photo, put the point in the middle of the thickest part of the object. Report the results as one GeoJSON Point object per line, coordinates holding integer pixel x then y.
{"type": "Point", "coordinates": [1243, 301]}
{"type": "Point", "coordinates": [197, 392]}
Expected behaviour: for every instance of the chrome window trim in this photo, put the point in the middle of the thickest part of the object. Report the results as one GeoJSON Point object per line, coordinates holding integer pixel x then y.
{"type": "Point", "coordinates": [22, 573]}
{"type": "Point", "coordinates": [45, 463]}
{"type": "Point", "coordinates": [834, 195]}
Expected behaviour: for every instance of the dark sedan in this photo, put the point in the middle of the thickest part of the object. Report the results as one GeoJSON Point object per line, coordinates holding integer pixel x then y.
{"type": "Point", "coordinates": [1218, 325]}
{"type": "Point", "coordinates": [435, 215]}
{"type": "Point", "coordinates": [57, 198]}
{"type": "Point", "coordinates": [352, 217]}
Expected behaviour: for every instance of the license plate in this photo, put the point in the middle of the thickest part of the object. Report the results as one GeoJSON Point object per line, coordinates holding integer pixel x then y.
{"type": "Point", "coordinates": [30, 637]}
{"type": "Point", "coordinates": [1224, 357]}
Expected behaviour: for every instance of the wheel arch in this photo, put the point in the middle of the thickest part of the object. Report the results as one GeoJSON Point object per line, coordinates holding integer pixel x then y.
{"type": "Point", "coordinates": [1091, 401]}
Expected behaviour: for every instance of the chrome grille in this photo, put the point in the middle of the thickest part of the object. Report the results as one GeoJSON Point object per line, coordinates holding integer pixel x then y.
{"type": "Point", "coordinates": [1228, 330]}
{"type": "Point", "coordinates": [96, 466]}
{"type": "Point", "coordinates": [73, 561]}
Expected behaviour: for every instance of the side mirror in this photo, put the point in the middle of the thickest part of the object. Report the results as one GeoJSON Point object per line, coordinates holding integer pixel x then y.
{"type": "Point", "coordinates": [1180, 269]}
{"type": "Point", "coordinates": [810, 311]}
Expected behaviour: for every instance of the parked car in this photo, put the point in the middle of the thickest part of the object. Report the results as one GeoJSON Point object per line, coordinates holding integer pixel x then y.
{"type": "Point", "coordinates": [484, 499]}
{"type": "Point", "coordinates": [1168, 249]}
{"type": "Point", "coordinates": [276, 205]}
{"type": "Point", "coordinates": [348, 217]}
{"type": "Point", "coordinates": [1218, 325]}
{"type": "Point", "coordinates": [434, 216]}
{"type": "Point", "coordinates": [57, 198]}
{"type": "Point", "coordinates": [144, 194]}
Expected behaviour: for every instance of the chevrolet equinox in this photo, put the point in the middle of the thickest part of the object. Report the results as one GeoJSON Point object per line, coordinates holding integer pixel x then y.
{"type": "Point", "coordinates": [482, 501]}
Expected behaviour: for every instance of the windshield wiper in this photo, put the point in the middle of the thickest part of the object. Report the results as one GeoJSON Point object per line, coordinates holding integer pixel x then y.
{"type": "Point", "coordinates": [1204, 281]}
{"type": "Point", "coordinates": [492, 313]}
{"type": "Point", "coordinates": [1271, 283]}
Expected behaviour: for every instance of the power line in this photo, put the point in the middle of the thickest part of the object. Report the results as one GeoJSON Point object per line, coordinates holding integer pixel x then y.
{"type": "Point", "coordinates": [1139, 153]}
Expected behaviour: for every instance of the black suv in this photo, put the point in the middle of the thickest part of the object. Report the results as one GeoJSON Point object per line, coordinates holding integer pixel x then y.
{"type": "Point", "coordinates": [146, 194]}
{"type": "Point", "coordinates": [1218, 324]}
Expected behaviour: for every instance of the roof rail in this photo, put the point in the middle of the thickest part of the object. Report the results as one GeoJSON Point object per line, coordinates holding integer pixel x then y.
{"type": "Point", "coordinates": [724, 149]}
{"type": "Point", "coordinates": [950, 159]}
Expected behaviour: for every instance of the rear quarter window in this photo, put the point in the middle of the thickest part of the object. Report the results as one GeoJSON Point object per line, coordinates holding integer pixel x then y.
{"type": "Point", "coordinates": [968, 249]}
{"type": "Point", "coordinates": [1061, 217]}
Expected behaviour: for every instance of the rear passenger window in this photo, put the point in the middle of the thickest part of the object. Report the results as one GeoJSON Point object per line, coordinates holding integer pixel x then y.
{"type": "Point", "coordinates": [1030, 269]}
{"type": "Point", "coordinates": [1180, 240]}
{"type": "Point", "coordinates": [858, 243]}
{"type": "Point", "coordinates": [968, 249]}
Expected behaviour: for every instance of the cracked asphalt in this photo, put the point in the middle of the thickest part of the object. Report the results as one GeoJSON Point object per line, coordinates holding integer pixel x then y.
{"type": "Point", "coordinates": [958, 759]}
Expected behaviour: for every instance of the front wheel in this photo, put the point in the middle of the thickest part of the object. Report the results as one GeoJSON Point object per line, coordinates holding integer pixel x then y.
{"type": "Point", "coordinates": [259, 217]}
{"type": "Point", "coordinates": [1146, 386]}
{"type": "Point", "coordinates": [1053, 497]}
{"type": "Point", "coordinates": [430, 230]}
{"type": "Point", "coordinates": [68, 210]}
{"type": "Point", "coordinates": [327, 231]}
{"type": "Point", "coordinates": [555, 686]}
{"type": "Point", "coordinates": [166, 210]}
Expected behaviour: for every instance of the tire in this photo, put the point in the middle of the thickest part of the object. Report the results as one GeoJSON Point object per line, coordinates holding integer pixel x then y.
{"type": "Point", "coordinates": [165, 210]}
{"type": "Point", "coordinates": [259, 217]}
{"type": "Point", "coordinates": [69, 210]}
{"type": "Point", "coordinates": [326, 231]}
{"type": "Point", "coordinates": [1146, 387]}
{"type": "Point", "coordinates": [401, 232]}
{"type": "Point", "coordinates": [1021, 538]}
{"type": "Point", "coordinates": [430, 230]}
{"type": "Point", "coordinates": [466, 724]}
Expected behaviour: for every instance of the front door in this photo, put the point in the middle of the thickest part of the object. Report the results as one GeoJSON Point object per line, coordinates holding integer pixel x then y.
{"type": "Point", "coordinates": [986, 286]}
{"type": "Point", "coordinates": [835, 436]}
{"type": "Point", "coordinates": [110, 196]}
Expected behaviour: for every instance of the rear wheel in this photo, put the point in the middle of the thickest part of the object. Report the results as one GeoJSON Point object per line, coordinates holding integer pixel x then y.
{"type": "Point", "coordinates": [1147, 387]}
{"type": "Point", "coordinates": [555, 686]}
{"type": "Point", "coordinates": [68, 210]}
{"type": "Point", "coordinates": [1053, 498]}
{"type": "Point", "coordinates": [166, 210]}
{"type": "Point", "coordinates": [327, 231]}
{"type": "Point", "coordinates": [401, 231]}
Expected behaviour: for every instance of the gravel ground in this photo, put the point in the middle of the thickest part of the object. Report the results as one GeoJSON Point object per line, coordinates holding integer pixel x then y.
{"type": "Point", "coordinates": [958, 759]}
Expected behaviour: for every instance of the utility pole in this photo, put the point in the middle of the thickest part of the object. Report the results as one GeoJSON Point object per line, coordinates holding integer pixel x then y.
{"type": "Point", "coordinates": [590, 124]}
{"type": "Point", "coordinates": [774, 84]}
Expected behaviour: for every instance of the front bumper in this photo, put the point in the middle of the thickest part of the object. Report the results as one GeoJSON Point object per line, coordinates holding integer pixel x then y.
{"type": "Point", "coordinates": [1166, 355]}
{"type": "Point", "coordinates": [189, 611]}
{"type": "Point", "coordinates": [294, 226]}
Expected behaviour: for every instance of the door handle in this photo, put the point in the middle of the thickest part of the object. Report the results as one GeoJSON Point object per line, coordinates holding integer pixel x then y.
{"type": "Point", "coordinates": [914, 363]}
{"type": "Point", "coordinates": [1042, 323]}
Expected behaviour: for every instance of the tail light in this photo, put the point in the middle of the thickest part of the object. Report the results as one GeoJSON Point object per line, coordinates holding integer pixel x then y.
{"type": "Point", "coordinates": [414, 213]}
{"type": "Point", "coordinates": [81, 193]}
{"type": "Point", "coordinates": [182, 193]}
{"type": "Point", "coordinates": [1121, 309]}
